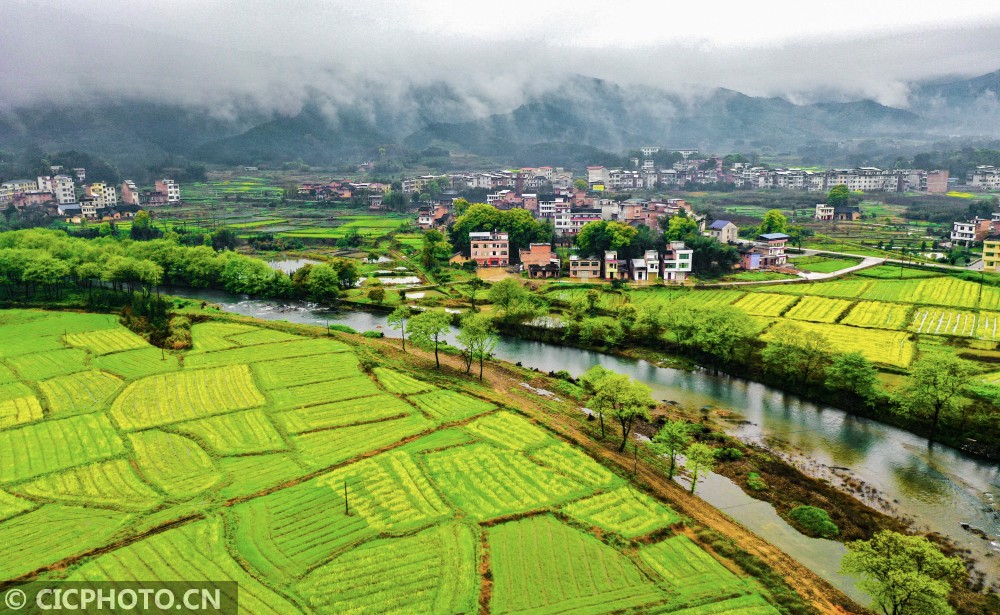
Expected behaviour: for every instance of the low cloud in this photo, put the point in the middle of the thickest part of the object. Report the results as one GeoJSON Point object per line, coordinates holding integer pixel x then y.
{"type": "Point", "coordinates": [273, 57]}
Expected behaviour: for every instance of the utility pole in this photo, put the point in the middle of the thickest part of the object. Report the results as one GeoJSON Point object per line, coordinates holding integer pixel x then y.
{"type": "Point", "coordinates": [347, 510]}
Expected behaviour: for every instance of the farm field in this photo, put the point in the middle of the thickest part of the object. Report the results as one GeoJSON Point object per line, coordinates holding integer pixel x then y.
{"type": "Point", "coordinates": [879, 346]}
{"type": "Point", "coordinates": [276, 461]}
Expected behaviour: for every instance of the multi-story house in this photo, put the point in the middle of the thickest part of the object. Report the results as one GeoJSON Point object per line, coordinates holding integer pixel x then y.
{"type": "Point", "coordinates": [490, 249]}
{"type": "Point", "coordinates": [824, 212]}
{"type": "Point", "coordinates": [585, 268]}
{"type": "Point", "coordinates": [614, 269]}
{"type": "Point", "coordinates": [10, 189]}
{"type": "Point", "coordinates": [985, 178]}
{"type": "Point", "coordinates": [970, 232]}
{"type": "Point", "coordinates": [579, 217]}
{"type": "Point", "coordinates": [170, 188]}
{"type": "Point", "coordinates": [676, 262]}
{"type": "Point", "coordinates": [131, 194]}
{"type": "Point", "coordinates": [540, 261]}
{"type": "Point", "coordinates": [724, 231]}
{"type": "Point", "coordinates": [771, 247]}
{"type": "Point", "coordinates": [991, 253]}
{"type": "Point", "coordinates": [104, 195]}
{"type": "Point", "coordinates": [931, 182]}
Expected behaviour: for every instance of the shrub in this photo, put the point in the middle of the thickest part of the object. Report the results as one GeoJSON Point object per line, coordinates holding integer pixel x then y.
{"type": "Point", "coordinates": [815, 521]}
{"type": "Point", "coordinates": [342, 328]}
{"type": "Point", "coordinates": [755, 482]}
{"type": "Point", "coordinates": [373, 334]}
{"type": "Point", "coordinates": [729, 454]}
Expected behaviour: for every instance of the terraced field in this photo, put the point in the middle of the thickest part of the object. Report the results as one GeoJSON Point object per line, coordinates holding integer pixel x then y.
{"type": "Point", "coordinates": [888, 347]}
{"type": "Point", "coordinates": [274, 461]}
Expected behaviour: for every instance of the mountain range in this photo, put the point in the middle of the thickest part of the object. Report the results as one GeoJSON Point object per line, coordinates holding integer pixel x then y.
{"type": "Point", "coordinates": [579, 114]}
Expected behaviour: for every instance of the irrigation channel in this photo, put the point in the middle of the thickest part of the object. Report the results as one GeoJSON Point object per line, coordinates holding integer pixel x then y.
{"type": "Point", "coordinates": [937, 487]}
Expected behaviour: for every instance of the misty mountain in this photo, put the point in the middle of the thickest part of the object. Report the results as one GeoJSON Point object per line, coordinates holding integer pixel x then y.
{"type": "Point", "coordinates": [964, 106]}
{"type": "Point", "coordinates": [572, 119]}
{"type": "Point", "coordinates": [609, 116]}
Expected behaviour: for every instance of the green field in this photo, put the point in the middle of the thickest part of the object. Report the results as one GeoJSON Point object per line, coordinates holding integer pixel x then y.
{"type": "Point", "coordinates": [237, 461]}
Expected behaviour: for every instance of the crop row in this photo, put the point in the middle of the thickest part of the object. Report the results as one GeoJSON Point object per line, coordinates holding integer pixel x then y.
{"type": "Point", "coordinates": [237, 433]}
{"type": "Point", "coordinates": [106, 484]}
{"type": "Point", "coordinates": [430, 572]}
{"type": "Point", "coordinates": [888, 347]}
{"type": "Point", "coordinates": [343, 413]}
{"type": "Point", "coordinates": [541, 565]}
{"type": "Point", "coordinates": [80, 392]}
{"type": "Point", "coordinates": [306, 370]}
{"type": "Point", "coordinates": [690, 571]}
{"type": "Point", "coordinates": [353, 386]}
{"type": "Point", "coordinates": [265, 352]}
{"type": "Point", "coordinates": [193, 552]}
{"type": "Point", "coordinates": [488, 482]}
{"type": "Point", "coordinates": [395, 382]}
{"type": "Point", "coordinates": [175, 464]}
{"type": "Point", "coordinates": [319, 449]}
{"type": "Point", "coordinates": [56, 444]}
{"type": "Point", "coordinates": [573, 463]}
{"type": "Point", "coordinates": [53, 532]}
{"type": "Point", "coordinates": [818, 309]}
{"type": "Point", "coordinates": [48, 364]}
{"type": "Point", "coordinates": [390, 491]}
{"type": "Point", "coordinates": [508, 430]}
{"type": "Point", "coordinates": [877, 315]}
{"type": "Point", "coordinates": [446, 406]}
{"type": "Point", "coordinates": [765, 304]}
{"type": "Point", "coordinates": [134, 364]}
{"type": "Point", "coordinates": [937, 321]}
{"type": "Point", "coordinates": [624, 510]}
{"type": "Point", "coordinates": [180, 396]}
{"type": "Point", "coordinates": [106, 341]}
{"type": "Point", "coordinates": [211, 336]}
{"type": "Point", "coordinates": [288, 532]}
{"type": "Point", "coordinates": [19, 410]}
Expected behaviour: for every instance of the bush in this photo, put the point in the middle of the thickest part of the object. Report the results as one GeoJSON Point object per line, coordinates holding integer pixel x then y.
{"type": "Point", "coordinates": [373, 334]}
{"type": "Point", "coordinates": [342, 328]}
{"type": "Point", "coordinates": [815, 521]}
{"type": "Point", "coordinates": [755, 482]}
{"type": "Point", "coordinates": [729, 454]}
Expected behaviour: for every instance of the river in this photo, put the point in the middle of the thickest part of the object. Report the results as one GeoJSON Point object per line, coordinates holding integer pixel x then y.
{"type": "Point", "coordinates": [936, 486]}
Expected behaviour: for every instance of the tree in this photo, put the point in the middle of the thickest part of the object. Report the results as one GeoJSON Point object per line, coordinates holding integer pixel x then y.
{"type": "Point", "coordinates": [839, 196]}
{"type": "Point", "coordinates": [427, 330]}
{"type": "Point", "coordinates": [905, 575]}
{"type": "Point", "coordinates": [721, 331]}
{"type": "Point", "coordinates": [377, 293]}
{"type": "Point", "coordinates": [398, 319]}
{"type": "Point", "coordinates": [591, 380]}
{"type": "Point", "coordinates": [521, 227]}
{"type": "Point", "coordinates": [774, 222]}
{"type": "Point", "coordinates": [854, 373]}
{"type": "Point", "coordinates": [580, 184]}
{"type": "Point", "coordinates": [475, 285]}
{"type": "Point", "coordinates": [477, 336]}
{"type": "Point", "coordinates": [595, 238]}
{"type": "Point", "coordinates": [672, 438]}
{"type": "Point", "coordinates": [323, 285]}
{"type": "Point", "coordinates": [435, 250]}
{"type": "Point", "coordinates": [680, 227]}
{"type": "Point", "coordinates": [795, 353]}
{"type": "Point", "coordinates": [700, 459]}
{"type": "Point", "coordinates": [934, 387]}
{"type": "Point", "coordinates": [624, 399]}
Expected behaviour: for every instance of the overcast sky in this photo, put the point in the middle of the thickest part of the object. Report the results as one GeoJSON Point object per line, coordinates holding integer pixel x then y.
{"type": "Point", "coordinates": [273, 54]}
